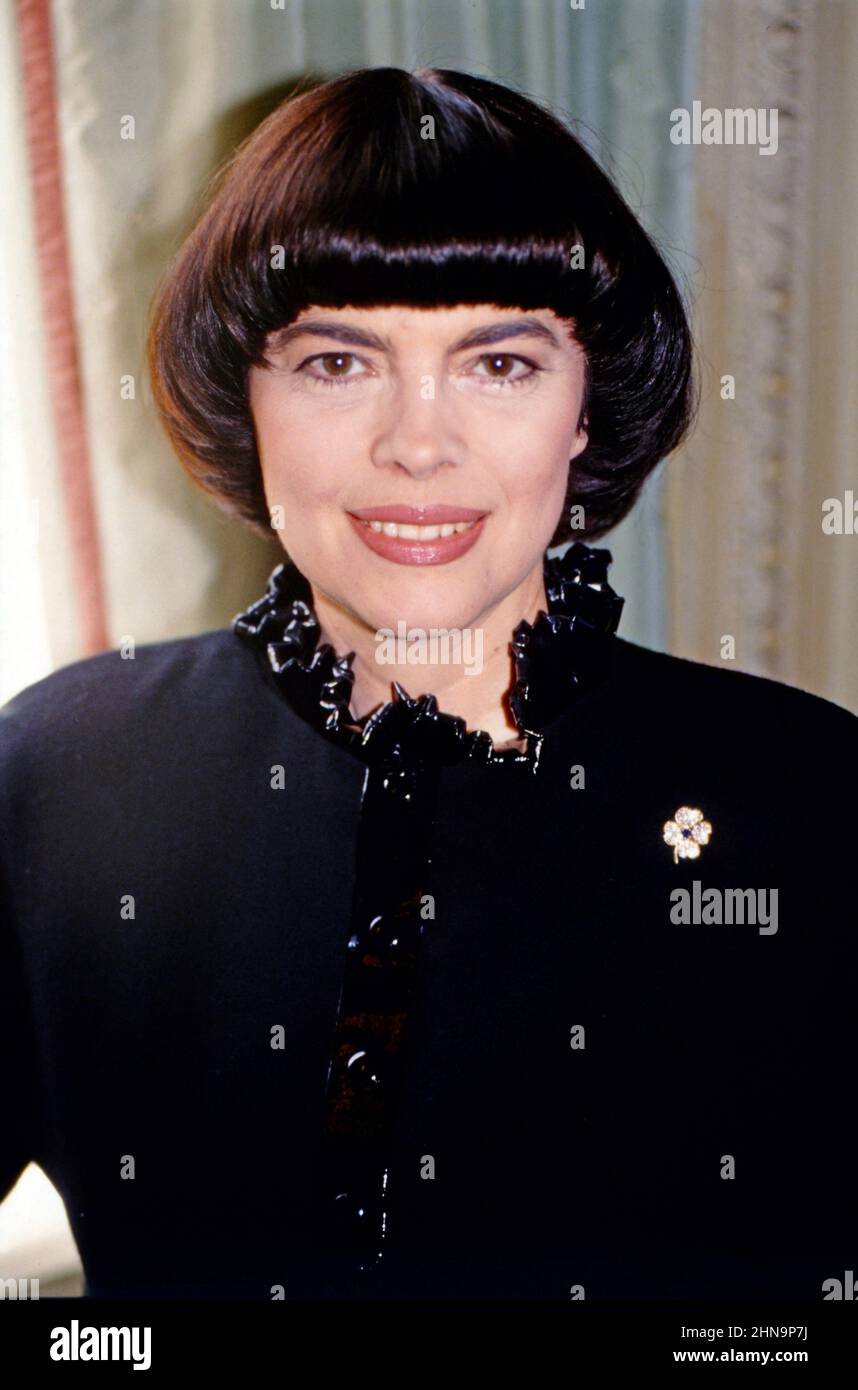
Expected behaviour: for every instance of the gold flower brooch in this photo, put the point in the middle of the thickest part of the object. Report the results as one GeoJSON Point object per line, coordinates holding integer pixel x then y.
{"type": "Point", "coordinates": [686, 833]}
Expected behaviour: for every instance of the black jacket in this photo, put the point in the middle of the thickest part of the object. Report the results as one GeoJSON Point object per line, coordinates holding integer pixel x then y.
{"type": "Point", "coordinates": [584, 1096]}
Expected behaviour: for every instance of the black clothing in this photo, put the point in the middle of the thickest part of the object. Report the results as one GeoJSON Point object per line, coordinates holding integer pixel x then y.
{"type": "Point", "coordinates": [179, 838]}
{"type": "Point", "coordinates": [405, 744]}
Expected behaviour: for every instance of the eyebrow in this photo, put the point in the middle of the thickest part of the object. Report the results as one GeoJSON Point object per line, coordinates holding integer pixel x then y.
{"type": "Point", "coordinates": [362, 337]}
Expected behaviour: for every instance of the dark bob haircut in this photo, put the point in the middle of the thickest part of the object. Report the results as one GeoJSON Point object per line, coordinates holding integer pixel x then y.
{"type": "Point", "coordinates": [348, 195]}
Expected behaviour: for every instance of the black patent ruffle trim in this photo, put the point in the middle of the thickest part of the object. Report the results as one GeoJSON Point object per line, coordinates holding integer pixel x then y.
{"type": "Point", "coordinates": [560, 655]}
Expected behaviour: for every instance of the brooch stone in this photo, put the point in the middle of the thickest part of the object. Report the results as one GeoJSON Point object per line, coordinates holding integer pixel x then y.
{"type": "Point", "coordinates": [686, 833]}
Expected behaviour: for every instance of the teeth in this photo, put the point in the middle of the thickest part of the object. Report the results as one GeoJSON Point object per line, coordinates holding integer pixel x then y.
{"type": "Point", "coordinates": [420, 533]}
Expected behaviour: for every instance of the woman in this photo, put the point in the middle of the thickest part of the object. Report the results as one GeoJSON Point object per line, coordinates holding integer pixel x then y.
{"type": "Point", "coordinates": [524, 974]}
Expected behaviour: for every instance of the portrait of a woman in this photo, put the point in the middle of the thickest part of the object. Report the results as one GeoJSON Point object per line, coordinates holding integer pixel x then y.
{"type": "Point", "coordinates": [418, 935]}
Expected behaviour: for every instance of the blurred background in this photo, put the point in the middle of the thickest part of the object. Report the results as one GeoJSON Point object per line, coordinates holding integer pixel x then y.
{"type": "Point", "coordinates": [114, 114]}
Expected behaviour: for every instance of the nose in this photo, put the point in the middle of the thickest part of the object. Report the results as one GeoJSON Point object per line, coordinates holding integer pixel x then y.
{"type": "Point", "coordinates": [417, 432]}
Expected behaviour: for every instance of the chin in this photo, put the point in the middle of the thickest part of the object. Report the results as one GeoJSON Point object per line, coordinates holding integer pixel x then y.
{"type": "Point", "coordinates": [426, 603]}
{"type": "Point", "coordinates": [418, 615]}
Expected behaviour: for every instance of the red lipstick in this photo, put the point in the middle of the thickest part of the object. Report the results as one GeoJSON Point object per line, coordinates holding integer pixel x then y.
{"type": "Point", "coordinates": [409, 549]}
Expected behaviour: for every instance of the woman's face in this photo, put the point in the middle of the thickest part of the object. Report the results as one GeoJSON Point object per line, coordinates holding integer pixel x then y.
{"type": "Point", "coordinates": [441, 417]}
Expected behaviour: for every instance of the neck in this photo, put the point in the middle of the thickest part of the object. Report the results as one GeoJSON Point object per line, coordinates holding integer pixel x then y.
{"type": "Point", "coordinates": [479, 698]}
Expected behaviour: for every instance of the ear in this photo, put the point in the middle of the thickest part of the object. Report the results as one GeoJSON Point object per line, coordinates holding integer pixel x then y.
{"type": "Point", "coordinates": [582, 439]}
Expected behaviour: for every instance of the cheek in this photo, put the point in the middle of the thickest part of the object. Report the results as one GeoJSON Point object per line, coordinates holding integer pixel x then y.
{"type": "Point", "coordinates": [536, 461]}
{"type": "Point", "coordinates": [536, 440]}
{"type": "Point", "coordinates": [297, 457]}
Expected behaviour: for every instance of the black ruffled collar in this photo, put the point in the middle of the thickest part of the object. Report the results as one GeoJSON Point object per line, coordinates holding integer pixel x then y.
{"type": "Point", "coordinates": [557, 657]}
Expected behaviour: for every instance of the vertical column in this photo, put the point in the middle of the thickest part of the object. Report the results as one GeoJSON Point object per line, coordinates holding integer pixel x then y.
{"type": "Point", "coordinates": [368, 1064]}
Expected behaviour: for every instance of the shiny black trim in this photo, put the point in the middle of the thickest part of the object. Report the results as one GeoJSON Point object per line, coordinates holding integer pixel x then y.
{"type": "Point", "coordinates": [561, 654]}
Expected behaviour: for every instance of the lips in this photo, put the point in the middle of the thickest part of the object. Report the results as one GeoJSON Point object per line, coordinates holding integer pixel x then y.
{"type": "Point", "coordinates": [431, 535]}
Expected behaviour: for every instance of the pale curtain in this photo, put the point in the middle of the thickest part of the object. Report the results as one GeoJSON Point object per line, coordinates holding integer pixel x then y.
{"type": "Point", "coordinates": [777, 309]}
{"type": "Point", "coordinates": [32, 549]}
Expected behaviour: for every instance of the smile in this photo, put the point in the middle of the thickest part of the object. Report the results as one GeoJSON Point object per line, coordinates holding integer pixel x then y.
{"type": "Point", "coordinates": [443, 536]}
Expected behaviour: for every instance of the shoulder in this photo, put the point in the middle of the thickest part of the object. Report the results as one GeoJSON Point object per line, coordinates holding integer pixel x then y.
{"type": "Point", "coordinates": [102, 683]}
{"type": "Point", "coordinates": [722, 701]}
{"type": "Point", "coordinates": [117, 694]}
{"type": "Point", "coordinates": [771, 766]}
{"type": "Point", "coordinates": [695, 725]}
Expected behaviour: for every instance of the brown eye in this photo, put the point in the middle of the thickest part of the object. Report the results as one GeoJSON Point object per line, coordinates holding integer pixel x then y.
{"type": "Point", "coordinates": [333, 369]}
{"type": "Point", "coordinates": [500, 357]}
{"type": "Point", "coordinates": [507, 362]}
{"type": "Point", "coordinates": [337, 358]}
